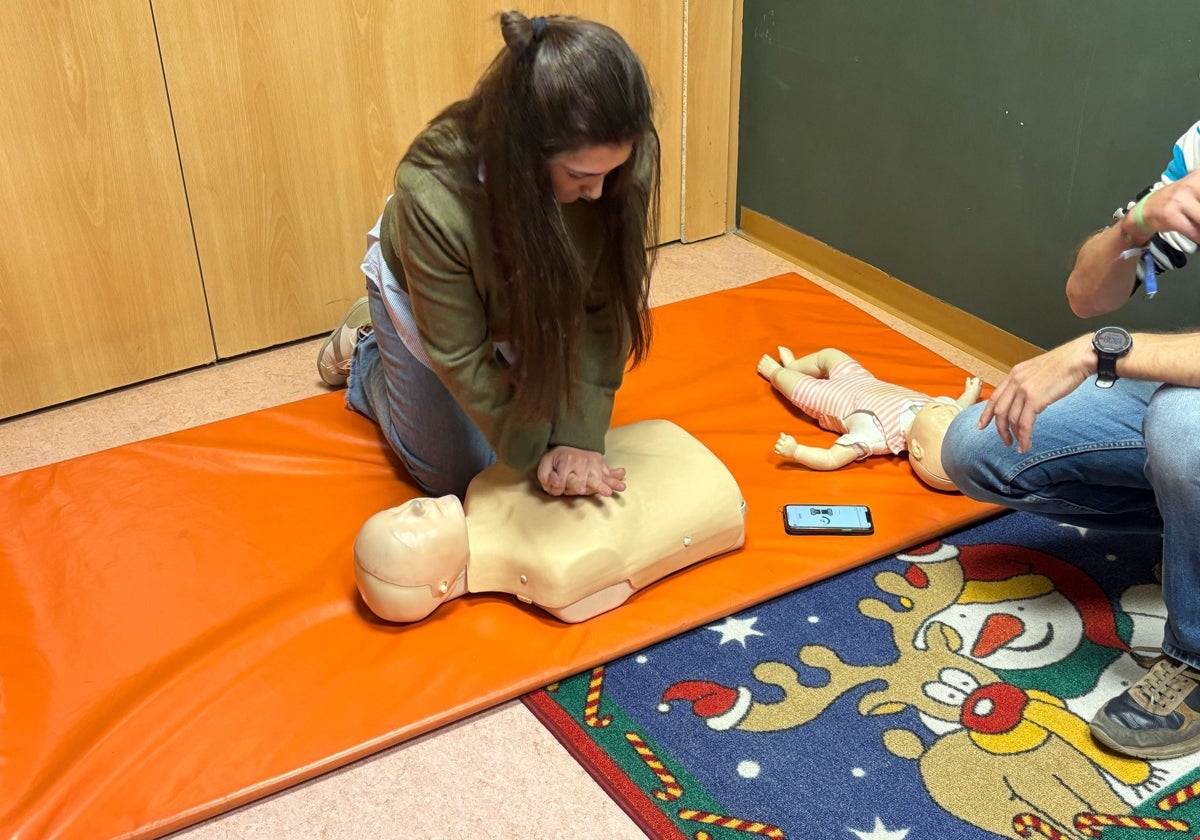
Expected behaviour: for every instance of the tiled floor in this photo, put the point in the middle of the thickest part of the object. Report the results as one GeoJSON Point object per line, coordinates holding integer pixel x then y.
{"type": "Point", "coordinates": [498, 774]}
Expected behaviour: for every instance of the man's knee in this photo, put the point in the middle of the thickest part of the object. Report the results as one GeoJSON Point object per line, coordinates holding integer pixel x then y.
{"type": "Point", "coordinates": [1172, 430]}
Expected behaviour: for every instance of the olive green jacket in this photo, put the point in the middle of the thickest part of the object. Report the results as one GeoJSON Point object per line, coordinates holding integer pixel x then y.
{"type": "Point", "coordinates": [438, 244]}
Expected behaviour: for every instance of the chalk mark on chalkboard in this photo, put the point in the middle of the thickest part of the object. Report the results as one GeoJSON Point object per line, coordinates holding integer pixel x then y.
{"type": "Point", "coordinates": [1087, 86]}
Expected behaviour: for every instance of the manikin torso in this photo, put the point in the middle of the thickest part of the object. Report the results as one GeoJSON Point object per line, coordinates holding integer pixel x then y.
{"type": "Point", "coordinates": [575, 557]}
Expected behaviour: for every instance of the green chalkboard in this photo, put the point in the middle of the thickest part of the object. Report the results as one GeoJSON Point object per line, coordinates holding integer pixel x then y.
{"type": "Point", "coordinates": [967, 148]}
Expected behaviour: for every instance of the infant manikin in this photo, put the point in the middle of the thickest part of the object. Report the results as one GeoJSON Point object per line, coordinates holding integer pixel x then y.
{"type": "Point", "coordinates": [575, 557]}
{"type": "Point", "coordinates": [873, 417]}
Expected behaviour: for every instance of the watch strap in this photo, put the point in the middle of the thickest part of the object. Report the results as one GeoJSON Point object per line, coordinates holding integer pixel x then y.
{"type": "Point", "coordinates": [1106, 370]}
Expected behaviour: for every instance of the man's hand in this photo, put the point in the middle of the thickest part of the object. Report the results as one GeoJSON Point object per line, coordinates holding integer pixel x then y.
{"type": "Point", "coordinates": [568, 471]}
{"type": "Point", "coordinates": [1175, 208]}
{"type": "Point", "coordinates": [1034, 384]}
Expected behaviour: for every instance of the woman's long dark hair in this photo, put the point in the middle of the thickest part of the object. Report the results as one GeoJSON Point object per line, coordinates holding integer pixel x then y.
{"type": "Point", "coordinates": [561, 84]}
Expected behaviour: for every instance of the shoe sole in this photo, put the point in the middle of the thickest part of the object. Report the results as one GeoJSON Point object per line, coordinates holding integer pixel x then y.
{"type": "Point", "coordinates": [1188, 747]}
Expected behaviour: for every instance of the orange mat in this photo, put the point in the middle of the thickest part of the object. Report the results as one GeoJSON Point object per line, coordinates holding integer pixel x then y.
{"type": "Point", "coordinates": [179, 628]}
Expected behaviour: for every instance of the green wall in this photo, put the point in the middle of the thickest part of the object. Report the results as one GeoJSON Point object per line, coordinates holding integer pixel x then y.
{"type": "Point", "coordinates": [967, 148]}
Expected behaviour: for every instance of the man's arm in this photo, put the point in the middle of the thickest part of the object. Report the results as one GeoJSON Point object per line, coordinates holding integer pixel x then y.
{"type": "Point", "coordinates": [1166, 218]}
{"type": "Point", "coordinates": [1101, 280]}
{"type": "Point", "coordinates": [1035, 383]}
{"type": "Point", "coordinates": [1167, 357]}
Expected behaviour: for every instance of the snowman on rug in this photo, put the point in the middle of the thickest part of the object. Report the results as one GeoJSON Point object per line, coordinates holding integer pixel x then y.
{"type": "Point", "coordinates": [1021, 611]}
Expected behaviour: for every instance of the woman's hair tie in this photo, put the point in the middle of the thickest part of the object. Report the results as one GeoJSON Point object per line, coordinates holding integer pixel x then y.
{"type": "Point", "coordinates": [538, 26]}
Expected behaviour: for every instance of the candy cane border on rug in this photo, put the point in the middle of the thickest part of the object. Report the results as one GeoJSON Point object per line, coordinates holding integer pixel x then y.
{"type": "Point", "coordinates": [670, 783]}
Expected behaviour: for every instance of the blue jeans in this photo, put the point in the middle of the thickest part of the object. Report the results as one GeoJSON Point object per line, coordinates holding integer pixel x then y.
{"type": "Point", "coordinates": [440, 446]}
{"type": "Point", "coordinates": [1125, 458]}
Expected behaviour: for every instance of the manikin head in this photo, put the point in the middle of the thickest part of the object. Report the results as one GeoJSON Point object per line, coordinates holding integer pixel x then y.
{"type": "Point", "coordinates": [925, 443]}
{"type": "Point", "coordinates": [409, 559]}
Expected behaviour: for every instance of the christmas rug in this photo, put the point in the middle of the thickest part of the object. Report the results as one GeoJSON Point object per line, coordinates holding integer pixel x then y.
{"type": "Point", "coordinates": [943, 692]}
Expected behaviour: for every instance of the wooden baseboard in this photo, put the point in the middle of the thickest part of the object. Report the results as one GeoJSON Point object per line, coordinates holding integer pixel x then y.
{"type": "Point", "coordinates": [973, 335]}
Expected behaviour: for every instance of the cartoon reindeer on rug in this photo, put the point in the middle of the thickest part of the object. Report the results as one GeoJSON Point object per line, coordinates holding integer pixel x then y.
{"type": "Point", "coordinates": [1032, 762]}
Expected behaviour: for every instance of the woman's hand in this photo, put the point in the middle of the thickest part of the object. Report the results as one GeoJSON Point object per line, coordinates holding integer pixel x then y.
{"type": "Point", "coordinates": [567, 471]}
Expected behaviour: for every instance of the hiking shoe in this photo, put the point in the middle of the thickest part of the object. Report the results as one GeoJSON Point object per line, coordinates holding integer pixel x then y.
{"type": "Point", "coordinates": [1156, 717]}
{"type": "Point", "coordinates": [333, 361]}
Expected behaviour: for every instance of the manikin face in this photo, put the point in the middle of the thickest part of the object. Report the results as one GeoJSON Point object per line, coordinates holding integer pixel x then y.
{"type": "Point", "coordinates": [579, 173]}
{"type": "Point", "coordinates": [424, 525]}
{"type": "Point", "coordinates": [408, 559]}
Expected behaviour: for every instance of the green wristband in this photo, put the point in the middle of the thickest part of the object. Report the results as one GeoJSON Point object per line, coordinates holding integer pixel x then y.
{"type": "Point", "coordinates": [1137, 216]}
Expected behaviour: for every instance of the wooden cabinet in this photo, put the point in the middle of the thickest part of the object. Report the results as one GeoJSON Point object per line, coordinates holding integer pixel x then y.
{"type": "Point", "coordinates": [99, 282]}
{"type": "Point", "coordinates": [285, 121]}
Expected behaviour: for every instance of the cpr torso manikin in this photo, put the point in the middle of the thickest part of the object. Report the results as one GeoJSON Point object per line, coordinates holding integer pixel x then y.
{"type": "Point", "coordinates": [575, 557]}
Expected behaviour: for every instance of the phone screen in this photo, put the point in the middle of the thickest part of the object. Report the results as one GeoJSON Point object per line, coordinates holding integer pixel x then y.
{"type": "Point", "coordinates": [827, 519]}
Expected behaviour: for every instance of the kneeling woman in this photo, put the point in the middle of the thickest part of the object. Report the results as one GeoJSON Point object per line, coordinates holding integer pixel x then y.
{"type": "Point", "coordinates": [508, 277]}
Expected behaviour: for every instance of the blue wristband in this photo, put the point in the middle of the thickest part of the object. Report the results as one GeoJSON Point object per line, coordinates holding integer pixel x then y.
{"type": "Point", "coordinates": [1149, 274]}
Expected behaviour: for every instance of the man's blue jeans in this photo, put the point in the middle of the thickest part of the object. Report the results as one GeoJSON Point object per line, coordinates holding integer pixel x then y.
{"type": "Point", "coordinates": [1124, 458]}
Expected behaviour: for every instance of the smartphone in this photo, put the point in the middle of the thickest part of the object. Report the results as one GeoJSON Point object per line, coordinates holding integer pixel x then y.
{"type": "Point", "coordinates": [828, 519]}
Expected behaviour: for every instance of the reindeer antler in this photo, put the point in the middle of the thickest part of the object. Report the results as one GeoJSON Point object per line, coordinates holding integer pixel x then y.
{"type": "Point", "coordinates": [923, 590]}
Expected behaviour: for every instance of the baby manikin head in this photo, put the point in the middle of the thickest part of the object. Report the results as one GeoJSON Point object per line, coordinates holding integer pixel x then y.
{"type": "Point", "coordinates": [409, 559]}
{"type": "Point", "coordinates": [925, 443]}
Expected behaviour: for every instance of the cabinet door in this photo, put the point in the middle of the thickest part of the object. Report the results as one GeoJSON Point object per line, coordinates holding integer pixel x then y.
{"type": "Point", "coordinates": [99, 283]}
{"type": "Point", "coordinates": [292, 114]}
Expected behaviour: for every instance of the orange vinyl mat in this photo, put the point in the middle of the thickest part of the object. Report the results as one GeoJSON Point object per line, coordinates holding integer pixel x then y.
{"type": "Point", "coordinates": [179, 627]}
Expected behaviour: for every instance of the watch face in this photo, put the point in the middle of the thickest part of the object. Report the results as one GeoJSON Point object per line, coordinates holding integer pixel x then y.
{"type": "Point", "coordinates": [1111, 340]}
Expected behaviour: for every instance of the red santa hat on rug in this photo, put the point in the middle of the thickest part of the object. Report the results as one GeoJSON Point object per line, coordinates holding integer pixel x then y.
{"type": "Point", "coordinates": [721, 707]}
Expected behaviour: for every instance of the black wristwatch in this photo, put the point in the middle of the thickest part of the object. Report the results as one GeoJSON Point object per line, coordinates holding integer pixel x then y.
{"type": "Point", "coordinates": [1110, 344]}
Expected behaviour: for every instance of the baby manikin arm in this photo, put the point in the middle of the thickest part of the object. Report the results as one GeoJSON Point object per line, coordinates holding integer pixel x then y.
{"type": "Point", "coordinates": [581, 556]}
{"type": "Point", "coordinates": [864, 436]}
{"type": "Point", "coordinates": [970, 396]}
{"type": "Point", "coordinates": [815, 458]}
